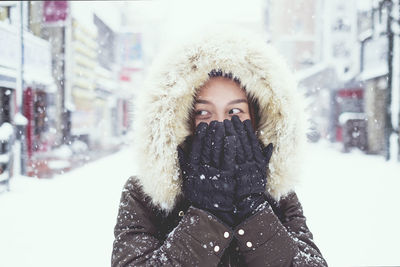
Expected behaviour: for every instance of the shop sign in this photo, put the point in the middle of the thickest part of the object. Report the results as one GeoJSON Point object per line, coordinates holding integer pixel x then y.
{"type": "Point", "coordinates": [130, 50]}
{"type": "Point", "coordinates": [55, 11]}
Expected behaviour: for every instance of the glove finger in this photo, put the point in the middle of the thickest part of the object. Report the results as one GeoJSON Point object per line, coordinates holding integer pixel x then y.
{"type": "Point", "coordinates": [244, 140]}
{"type": "Point", "coordinates": [255, 144]}
{"type": "Point", "coordinates": [209, 143]}
{"type": "Point", "coordinates": [217, 144]}
{"type": "Point", "coordinates": [228, 162]}
{"type": "Point", "coordinates": [267, 152]}
{"type": "Point", "coordinates": [230, 131]}
{"type": "Point", "coordinates": [206, 151]}
{"type": "Point", "coordinates": [198, 143]}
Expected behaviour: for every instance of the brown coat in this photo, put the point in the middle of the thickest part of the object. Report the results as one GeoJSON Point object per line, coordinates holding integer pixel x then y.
{"type": "Point", "coordinates": [149, 229]}
{"type": "Point", "coordinates": [187, 236]}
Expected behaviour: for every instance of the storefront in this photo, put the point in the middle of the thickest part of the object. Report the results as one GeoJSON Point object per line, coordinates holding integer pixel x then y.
{"type": "Point", "coordinates": [8, 71]}
{"type": "Point", "coordinates": [39, 105]}
{"type": "Point", "coordinates": [347, 118]}
{"type": "Point", "coordinates": [7, 110]}
{"type": "Point", "coordinates": [7, 94]}
{"type": "Point", "coordinates": [8, 85]}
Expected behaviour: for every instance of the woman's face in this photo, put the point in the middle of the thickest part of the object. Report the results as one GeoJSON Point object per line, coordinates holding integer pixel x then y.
{"type": "Point", "coordinates": [219, 99]}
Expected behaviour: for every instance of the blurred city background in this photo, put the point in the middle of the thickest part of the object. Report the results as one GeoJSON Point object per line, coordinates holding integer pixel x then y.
{"type": "Point", "coordinates": [68, 73]}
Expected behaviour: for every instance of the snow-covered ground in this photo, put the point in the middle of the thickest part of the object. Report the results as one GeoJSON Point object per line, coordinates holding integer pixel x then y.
{"type": "Point", "coordinates": [351, 202]}
{"type": "Point", "coordinates": [64, 221]}
{"type": "Point", "coordinates": [352, 205]}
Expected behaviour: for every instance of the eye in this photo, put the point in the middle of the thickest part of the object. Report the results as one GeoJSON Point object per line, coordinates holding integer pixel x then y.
{"type": "Point", "coordinates": [234, 111]}
{"type": "Point", "coordinates": [201, 113]}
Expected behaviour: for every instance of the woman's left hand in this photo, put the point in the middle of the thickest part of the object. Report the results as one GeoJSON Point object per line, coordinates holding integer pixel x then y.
{"type": "Point", "coordinates": [252, 161]}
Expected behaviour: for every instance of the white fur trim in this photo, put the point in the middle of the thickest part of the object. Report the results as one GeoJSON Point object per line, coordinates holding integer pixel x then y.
{"type": "Point", "coordinates": [161, 110]}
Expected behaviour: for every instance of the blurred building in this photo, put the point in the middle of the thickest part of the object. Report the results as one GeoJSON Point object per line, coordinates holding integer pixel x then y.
{"type": "Point", "coordinates": [340, 51]}
{"type": "Point", "coordinates": [373, 74]}
{"type": "Point", "coordinates": [38, 86]}
{"type": "Point", "coordinates": [320, 40]}
{"type": "Point", "coordinates": [98, 97]}
{"type": "Point", "coordinates": [8, 87]}
{"type": "Point", "coordinates": [81, 63]}
{"type": "Point", "coordinates": [73, 97]}
{"type": "Point", "coordinates": [294, 28]}
{"type": "Point", "coordinates": [315, 33]}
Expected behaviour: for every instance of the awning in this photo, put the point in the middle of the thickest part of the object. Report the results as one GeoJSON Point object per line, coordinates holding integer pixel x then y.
{"type": "Point", "coordinates": [36, 77]}
{"type": "Point", "coordinates": [8, 78]}
{"type": "Point", "coordinates": [373, 73]}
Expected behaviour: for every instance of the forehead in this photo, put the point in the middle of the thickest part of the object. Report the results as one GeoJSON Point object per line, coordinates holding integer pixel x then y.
{"type": "Point", "coordinates": [221, 88]}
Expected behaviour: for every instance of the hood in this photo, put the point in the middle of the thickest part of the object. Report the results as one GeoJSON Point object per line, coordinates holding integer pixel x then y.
{"type": "Point", "coordinates": [162, 107]}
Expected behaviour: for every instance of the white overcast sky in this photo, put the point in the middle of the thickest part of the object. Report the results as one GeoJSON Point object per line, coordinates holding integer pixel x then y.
{"type": "Point", "coordinates": [172, 18]}
{"type": "Point", "coordinates": [180, 16]}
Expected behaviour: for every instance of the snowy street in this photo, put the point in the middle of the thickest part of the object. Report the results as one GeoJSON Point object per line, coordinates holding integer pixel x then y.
{"type": "Point", "coordinates": [350, 201]}
{"type": "Point", "coordinates": [65, 221]}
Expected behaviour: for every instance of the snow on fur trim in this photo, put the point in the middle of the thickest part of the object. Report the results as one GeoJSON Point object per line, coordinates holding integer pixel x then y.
{"type": "Point", "coordinates": [162, 108]}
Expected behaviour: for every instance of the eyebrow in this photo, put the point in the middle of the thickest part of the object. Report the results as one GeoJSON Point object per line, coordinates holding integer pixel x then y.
{"type": "Point", "coordinates": [201, 101]}
{"type": "Point", "coordinates": [236, 101]}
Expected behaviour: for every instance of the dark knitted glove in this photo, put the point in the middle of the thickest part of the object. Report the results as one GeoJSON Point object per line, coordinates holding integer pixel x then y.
{"type": "Point", "coordinates": [208, 171]}
{"type": "Point", "coordinates": [252, 162]}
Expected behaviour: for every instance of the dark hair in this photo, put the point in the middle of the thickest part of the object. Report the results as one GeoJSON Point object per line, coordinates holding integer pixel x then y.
{"type": "Point", "coordinates": [219, 73]}
{"type": "Point", "coordinates": [254, 107]}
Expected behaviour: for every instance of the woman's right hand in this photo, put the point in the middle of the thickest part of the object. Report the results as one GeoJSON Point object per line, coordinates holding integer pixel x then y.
{"type": "Point", "coordinates": [208, 171]}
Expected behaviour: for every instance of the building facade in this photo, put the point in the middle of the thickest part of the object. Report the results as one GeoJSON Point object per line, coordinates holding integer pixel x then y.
{"type": "Point", "coordinates": [71, 97]}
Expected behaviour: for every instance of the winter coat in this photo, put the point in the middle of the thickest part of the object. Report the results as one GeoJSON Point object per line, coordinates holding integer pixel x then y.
{"type": "Point", "coordinates": [156, 226]}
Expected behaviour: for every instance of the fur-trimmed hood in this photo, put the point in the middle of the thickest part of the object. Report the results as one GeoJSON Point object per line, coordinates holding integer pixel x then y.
{"type": "Point", "coordinates": [162, 108]}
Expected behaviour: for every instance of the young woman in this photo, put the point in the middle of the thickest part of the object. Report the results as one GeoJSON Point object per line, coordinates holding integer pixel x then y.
{"type": "Point", "coordinates": [219, 130]}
